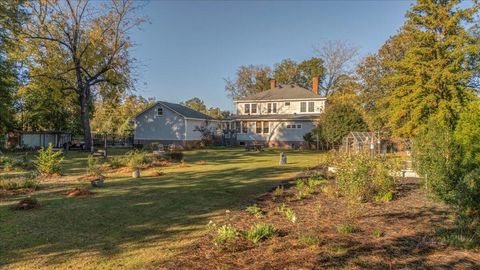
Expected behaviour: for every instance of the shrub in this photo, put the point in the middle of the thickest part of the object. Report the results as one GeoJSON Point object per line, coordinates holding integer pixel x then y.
{"type": "Point", "coordinates": [361, 178]}
{"type": "Point", "coordinates": [48, 161]}
{"type": "Point", "coordinates": [225, 234]}
{"type": "Point", "coordinates": [135, 158]}
{"type": "Point", "coordinates": [377, 233]}
{"type": "Point", "coordinates": [437, 158]}
{"type": "Point", "coordinates": [259, 232]}
{"type": "Point", "coordinates": [254, 210]}
{"type": "Point", "coordinates": [93, 167]}
{"type": "Point", "coordinates": [175, 156]}
{"type": "Point", "coordinates": [7, 163]}
{"type": "Point", "coordinates": [116, 162]}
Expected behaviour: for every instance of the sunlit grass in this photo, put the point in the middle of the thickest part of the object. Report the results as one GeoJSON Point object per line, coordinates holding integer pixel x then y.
{"type": "Point", "coordinates": [137, 223]}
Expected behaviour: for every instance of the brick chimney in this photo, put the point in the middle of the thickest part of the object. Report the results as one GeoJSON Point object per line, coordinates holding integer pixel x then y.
{"type": "Point", "coordinates": [315, 85]}
{"type": "Point", "coordinates": [273, 84]}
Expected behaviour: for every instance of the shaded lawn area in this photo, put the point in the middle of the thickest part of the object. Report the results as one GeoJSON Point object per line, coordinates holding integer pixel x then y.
{"type": "Point", "coordinates": [138, 223]}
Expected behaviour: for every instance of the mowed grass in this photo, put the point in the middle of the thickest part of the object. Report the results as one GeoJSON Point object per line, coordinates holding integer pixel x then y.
{"type": "Point", "coordinates": [137, 223]}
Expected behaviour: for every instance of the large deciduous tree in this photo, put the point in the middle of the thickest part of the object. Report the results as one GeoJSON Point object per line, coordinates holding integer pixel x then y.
{"type": "Point", "coordinates": [82, 46]}
{"type": "Point", "coordinates": [11, 16]}
{"type": "Point", "coordinates": [432, 79]}
{"type": "Point", "coordinates": [249, 80]}
{"type": "Point", "coordinates": [339, 62]}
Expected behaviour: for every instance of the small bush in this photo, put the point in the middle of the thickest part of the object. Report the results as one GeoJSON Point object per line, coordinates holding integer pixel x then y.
{"type": "Point", "coordinates": [385, 197]}
{"type": "Point", "coordinates": [345, 228]}
{"type": "Point", "coordinates": [254, 210]}
{"type": "Point", "coordinates": [465, 234]}
{"type": "Point", "coordinates": [360, 177]}
{"type": "Point", "coordinates": [48, 161]}
{"type": "Point", "coordinates": [175, 156]}
{"type": "Point", "coordinates": [116, 162]}
{"type": "Point", "coordinates": [260, 232]}
{"type": "Point", "coordinates": [309, 239]}
{"type": "Point", "coordinates": [7, 164]}
{"type": "Point", "coordinates": [225, 233]}
{"type": "Point", "coordinates": [136, 158]}
{"type": "Point", "coordinates": [93, 168]}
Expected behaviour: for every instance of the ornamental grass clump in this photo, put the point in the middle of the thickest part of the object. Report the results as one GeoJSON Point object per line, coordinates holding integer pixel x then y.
{"type": "Point", "coordinates": [224, 234]}
{"type": "Point", "coordinates": [259, 232]}
{"type": "Point", "coordinates": [254, 210]}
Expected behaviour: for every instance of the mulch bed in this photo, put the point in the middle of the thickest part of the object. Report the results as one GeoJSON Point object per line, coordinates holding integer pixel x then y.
{"type": "Point", "coordinates": [26, 204]}
{"type": "Point", "coordinates": [79, 192]}
{"type": "Point", "coordinates": [396, 235]}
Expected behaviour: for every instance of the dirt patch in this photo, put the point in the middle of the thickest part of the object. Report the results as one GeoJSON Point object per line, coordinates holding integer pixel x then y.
{"type": "Point", "coordinates": [26, 204]}
{"type": "Point", "coordinates": [396, 235]}
{"type": "Point", "coordinates": [4, 193]}
{"type": "Point", "coordinates": [79, 192]}
{"type": "Point", "coordinates": [156, 173]}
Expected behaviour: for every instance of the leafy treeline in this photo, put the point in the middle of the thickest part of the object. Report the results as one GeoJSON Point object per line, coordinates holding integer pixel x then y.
{"type": "Point", "coordinates": [198, 105]}
{"type": "Point", "coordinates": [333, 65]}
{"type": "Point", "coordinates": [67, 57]}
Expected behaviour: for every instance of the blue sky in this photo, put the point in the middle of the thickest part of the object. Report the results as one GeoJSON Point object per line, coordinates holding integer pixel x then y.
{"type": "Point", "coordinates": [189, 47]}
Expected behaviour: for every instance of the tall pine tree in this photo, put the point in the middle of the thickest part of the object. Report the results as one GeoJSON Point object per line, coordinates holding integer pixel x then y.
{"type": "Point", "coordinates": [431, 81]}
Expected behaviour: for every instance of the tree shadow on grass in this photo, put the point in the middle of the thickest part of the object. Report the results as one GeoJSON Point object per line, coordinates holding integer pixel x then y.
{"type": "Point", "coordinates": [137, 213]}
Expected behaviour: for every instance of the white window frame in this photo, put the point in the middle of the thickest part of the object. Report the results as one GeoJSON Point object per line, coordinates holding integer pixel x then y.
{"type": "Point", "coordinates": [274, 107]}
{"type": "Point", "coordinates": [246, 108]}
{"type": "Point", "coordinates": [267, 123]}
{"type": "Point", "coordinates": [269, 107]}
{"type": "Point", "coordinates": [254, 105]}
{"type": "Point", "coordinates": [303, 105]}
{"type": "Point", "coordinates": [311, 106]}
{"type": "Point", "coordinates": [159, 111]}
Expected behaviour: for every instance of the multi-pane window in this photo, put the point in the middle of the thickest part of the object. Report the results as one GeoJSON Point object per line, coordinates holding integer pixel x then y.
{"type": "Point", "coordinates": [254, 108]}
{"type": "Point", "coordinates": [311, 106]}
{"type": "Point", "coordinates": [258, 125]}
{"type": "Point", "coordinates": [159, 111]}
{"type": "Point", "coordinates": [299, 126]}
{"type": "Point", "coordinates": [303, 106]}
{"type": "Point", "coordinates": [244, 127]}
{"type": "Point", "coordinates": [272, 107]}
{"type": "Point", "coordinates": [266, 127]}
{"type": "Point", "coordinates": [237, 127]}
{"type": "Point", "coordinates": [247, 108]}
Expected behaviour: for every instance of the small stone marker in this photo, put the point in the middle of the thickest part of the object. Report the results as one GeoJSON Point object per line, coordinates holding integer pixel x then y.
{"type": "Point", "coordinates": [283, 159]}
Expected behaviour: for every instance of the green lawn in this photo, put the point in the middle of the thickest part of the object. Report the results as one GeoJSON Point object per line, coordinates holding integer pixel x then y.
{"type": "Point", "coordinates": [137, 223]}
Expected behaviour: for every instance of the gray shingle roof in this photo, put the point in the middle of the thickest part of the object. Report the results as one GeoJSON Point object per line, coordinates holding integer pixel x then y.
{"type": "Point", "coordinates": [185, 111]}
{"type": "Point", "coordinates": [277, 117]}
{"type": "Point", "coordinates": [283, 92]}
{"type": "Point", "coordinates": [180, 109]}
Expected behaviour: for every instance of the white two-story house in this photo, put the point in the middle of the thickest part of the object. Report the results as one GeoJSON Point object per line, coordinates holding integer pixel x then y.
{"type": "Point", "coordinates": [278, 117]}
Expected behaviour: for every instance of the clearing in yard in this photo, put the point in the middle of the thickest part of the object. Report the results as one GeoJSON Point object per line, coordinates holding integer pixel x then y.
{"type": "Point", "coordinates": [136, 223]}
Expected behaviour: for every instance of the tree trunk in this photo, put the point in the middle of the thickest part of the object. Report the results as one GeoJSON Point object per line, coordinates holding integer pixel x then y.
{"type": "Point", "coordinates": [85, 118]}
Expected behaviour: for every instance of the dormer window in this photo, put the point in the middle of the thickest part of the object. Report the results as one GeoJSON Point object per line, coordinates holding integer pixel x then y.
{"type": "Point", "coordinates": [160, 111]}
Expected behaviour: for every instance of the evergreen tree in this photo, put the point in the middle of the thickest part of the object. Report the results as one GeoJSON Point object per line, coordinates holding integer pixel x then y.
{"type": "Point", "coordinates": [432, 79]}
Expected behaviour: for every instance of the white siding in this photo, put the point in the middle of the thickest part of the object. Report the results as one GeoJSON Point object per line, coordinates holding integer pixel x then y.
{"type": "Point", "coordinates": [294, 107]}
